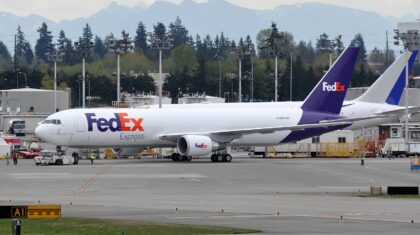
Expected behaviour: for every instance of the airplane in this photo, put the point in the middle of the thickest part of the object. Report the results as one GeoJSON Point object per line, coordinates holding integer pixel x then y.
{"type": "Point", "coordinates": [381, 99]}
{"type": "Point", "coordinates": [202, 131]}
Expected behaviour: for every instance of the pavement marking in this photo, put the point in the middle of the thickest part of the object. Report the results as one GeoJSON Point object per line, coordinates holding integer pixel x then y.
{"type": "Point", "coordinates": [336, 173]}
{"type": "Point", "coordinates": [103, 171]}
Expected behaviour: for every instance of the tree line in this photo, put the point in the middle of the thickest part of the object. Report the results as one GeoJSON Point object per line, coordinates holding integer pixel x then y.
{"type": "Point", "coordinates": [194, 63]}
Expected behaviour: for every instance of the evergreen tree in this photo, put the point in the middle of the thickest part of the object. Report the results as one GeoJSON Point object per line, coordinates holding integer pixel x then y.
{"type": "Point", "coordinates": [44, 44]}
{"type": "Point", "coordinates": [61, 42]}
{"type": "Point", "coordinates": [359, 42]}
{"type": "Point", "coordinates": [179, 32]}
{"type": "Point", "coordinates": [85, 43]}
{"type": "Point", "coordinates": [5, 58]}
{"type": "Point", "coordinates": [140, 41]}
{"type": "Point", "coordinates": [199, 80]}
{"type": "Point", "coordinates": [4, 52]}
{"type": "Point", "coordinates": [65, 45]}
{"type": "Point", "coordinates": [23, 52]}
{"type": "Point", "coordinates": [99, 47]}
{"type": "Point", "coordinates": [159, 30]}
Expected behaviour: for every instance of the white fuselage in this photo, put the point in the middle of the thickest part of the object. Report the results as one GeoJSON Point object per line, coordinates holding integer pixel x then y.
{"type": "Point", "coordinates": [73, 130]}
{"type": "Point", "coordinates": [351, 109]}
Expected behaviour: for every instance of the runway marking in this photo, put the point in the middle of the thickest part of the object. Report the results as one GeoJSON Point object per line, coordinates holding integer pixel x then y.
{"type": "Point", "coordinates": [337, 217]}
{"type": "Point", "coordinates": [103, 171]}
{"type": "Point", "coordinates": [336, 173]}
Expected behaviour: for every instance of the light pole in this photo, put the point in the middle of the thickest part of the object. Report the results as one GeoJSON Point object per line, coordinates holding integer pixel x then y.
{"type": "Point", "coordinates": [122, 46]}
{"type": "Point", "coordinates": [252, 79]}
{"type": "Point", "coordinates": [84, 49]}
{"type": "Point", "coordinates": [291, 76]}
{"type": "Point", "coordinates": [55, 56]}
{"type": "Point", "coordinates": [410, 38]}
{"type": "Point", "coordinates": [242, 53]}
{"type": "Point", "coordinates": [26, 81]}
{"type": "Point", "coordinates": [273, 45]}
{"type": "Point", "coordinates": [219, 56]}
{"type": "Point", "coordinates": [160, 42]}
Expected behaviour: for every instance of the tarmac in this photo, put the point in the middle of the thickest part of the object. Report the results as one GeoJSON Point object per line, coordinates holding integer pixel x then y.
{"type": "Point", "coordinates": [277, 196]}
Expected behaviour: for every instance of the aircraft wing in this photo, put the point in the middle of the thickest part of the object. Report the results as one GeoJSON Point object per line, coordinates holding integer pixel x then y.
{"type": "Point", "coordinates": [261, 130]}
{"type": "Point", "coordinates": [354, 119]}
{"type": "Point", "coordinates": [401, 111]}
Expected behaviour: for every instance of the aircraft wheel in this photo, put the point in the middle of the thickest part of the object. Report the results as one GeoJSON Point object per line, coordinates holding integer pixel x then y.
{"type": "Point", "coordinates": [213, 157]}
{"type": "Point", "coordinates": [188, 158]}
{"type": "Point", "coordinates": [227, 158]}
{"type": "Point", "coordinates": [220, 158]}
{"type": "Point", "coordinates": [180, 158]}
{"type": "Point", "coordinates": [175, 157]}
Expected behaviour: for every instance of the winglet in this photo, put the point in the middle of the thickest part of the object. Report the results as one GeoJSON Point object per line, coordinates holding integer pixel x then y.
{"type": "Point", "coordinates": [328, 95]}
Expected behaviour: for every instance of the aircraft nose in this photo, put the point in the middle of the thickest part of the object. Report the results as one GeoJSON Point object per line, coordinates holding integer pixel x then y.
{"type": "Point", "coordinates": [40, 132]}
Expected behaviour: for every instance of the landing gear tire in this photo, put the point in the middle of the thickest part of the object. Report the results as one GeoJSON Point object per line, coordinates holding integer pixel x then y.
{"type": "Point", "coordinates": [187, 158]}
{"type": "Point", "coordinates": [175, 157]}
{"type": "Point", "coordinates": [227, 158]}
{"type": "Point", "coordinates": [213, 157]}
{"type": "Point", "coordinates": [220, 158]}
{"type": "Point", "coordinates": [180, 158]}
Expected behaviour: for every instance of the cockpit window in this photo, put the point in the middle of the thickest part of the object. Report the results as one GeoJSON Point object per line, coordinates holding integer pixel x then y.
{"type": "Point", "coordinates": [52, 121]}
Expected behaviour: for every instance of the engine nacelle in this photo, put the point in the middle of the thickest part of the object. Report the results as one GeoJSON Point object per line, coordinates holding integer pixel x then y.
{"type": "Point", "coordinates": [197, 145]}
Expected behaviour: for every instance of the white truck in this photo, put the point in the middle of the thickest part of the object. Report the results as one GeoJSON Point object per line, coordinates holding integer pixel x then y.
{"type": "Point", "coordinates": [49, 157]}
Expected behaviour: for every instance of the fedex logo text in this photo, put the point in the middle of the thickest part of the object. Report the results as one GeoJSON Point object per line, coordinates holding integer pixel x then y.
{"type": "Point", "coordinates": [121, 122]}
{"type": "Point", "coordinates": [200, 146]}
{"type": "Point", "coordinates": [336, 87]}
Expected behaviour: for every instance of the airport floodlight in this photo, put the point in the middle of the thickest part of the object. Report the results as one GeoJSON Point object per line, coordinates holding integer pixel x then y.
{"type": "Point", "coordinates": [160, 42]}
{"type": "Point", "coordinates": [120, 46]}
{"type": "Point", "coordinates": [219, 56]}
{"type": "Point", "coordinates": [242, 52]}
{"type": "Point", "coordinates": [84, 50]}
{"type": "Point", "coordinates": [55, 56]}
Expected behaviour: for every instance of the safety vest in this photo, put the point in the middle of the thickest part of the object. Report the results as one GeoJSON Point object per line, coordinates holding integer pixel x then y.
{"type": "Point", "coordinates": [92, 156]}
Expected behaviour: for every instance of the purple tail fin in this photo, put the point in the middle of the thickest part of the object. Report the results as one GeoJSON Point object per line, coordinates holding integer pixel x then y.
{"type": "Point", "coordinates": [328, 95]}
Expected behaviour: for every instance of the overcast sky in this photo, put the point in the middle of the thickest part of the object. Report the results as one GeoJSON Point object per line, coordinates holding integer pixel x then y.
{"type": "Point", "coordinates": [69, 9]}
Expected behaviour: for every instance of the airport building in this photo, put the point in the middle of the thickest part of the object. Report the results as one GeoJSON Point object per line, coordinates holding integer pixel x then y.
{"type": "Point", "coordinates": [31, 105]}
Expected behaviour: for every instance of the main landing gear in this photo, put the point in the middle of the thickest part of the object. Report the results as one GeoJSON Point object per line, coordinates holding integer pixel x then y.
{"type": "Point", "coordinates": [176, 157]}
{"type": "Point", "coordinates": [221, 157]}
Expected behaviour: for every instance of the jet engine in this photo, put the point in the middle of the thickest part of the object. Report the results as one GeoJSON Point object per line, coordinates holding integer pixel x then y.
{"type": "Point", "coordinates": [197, 145]}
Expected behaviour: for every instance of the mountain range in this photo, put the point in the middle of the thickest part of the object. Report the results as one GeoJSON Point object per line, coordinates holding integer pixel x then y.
{"type": "Point", "coordinates": [305, 21]}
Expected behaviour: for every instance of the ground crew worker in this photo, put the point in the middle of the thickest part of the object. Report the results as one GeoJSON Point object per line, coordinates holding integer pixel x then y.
{"type": "Point", "coordinates": [362, 160]}
{"type": "Point", "coordinates": [15, 157]}
{"type": "Point", "coordinates": [92, 156]}
{"type": "Point", "coordinates": [389, 153]}
{"type": "Point", "coordinates": [7, 156]}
